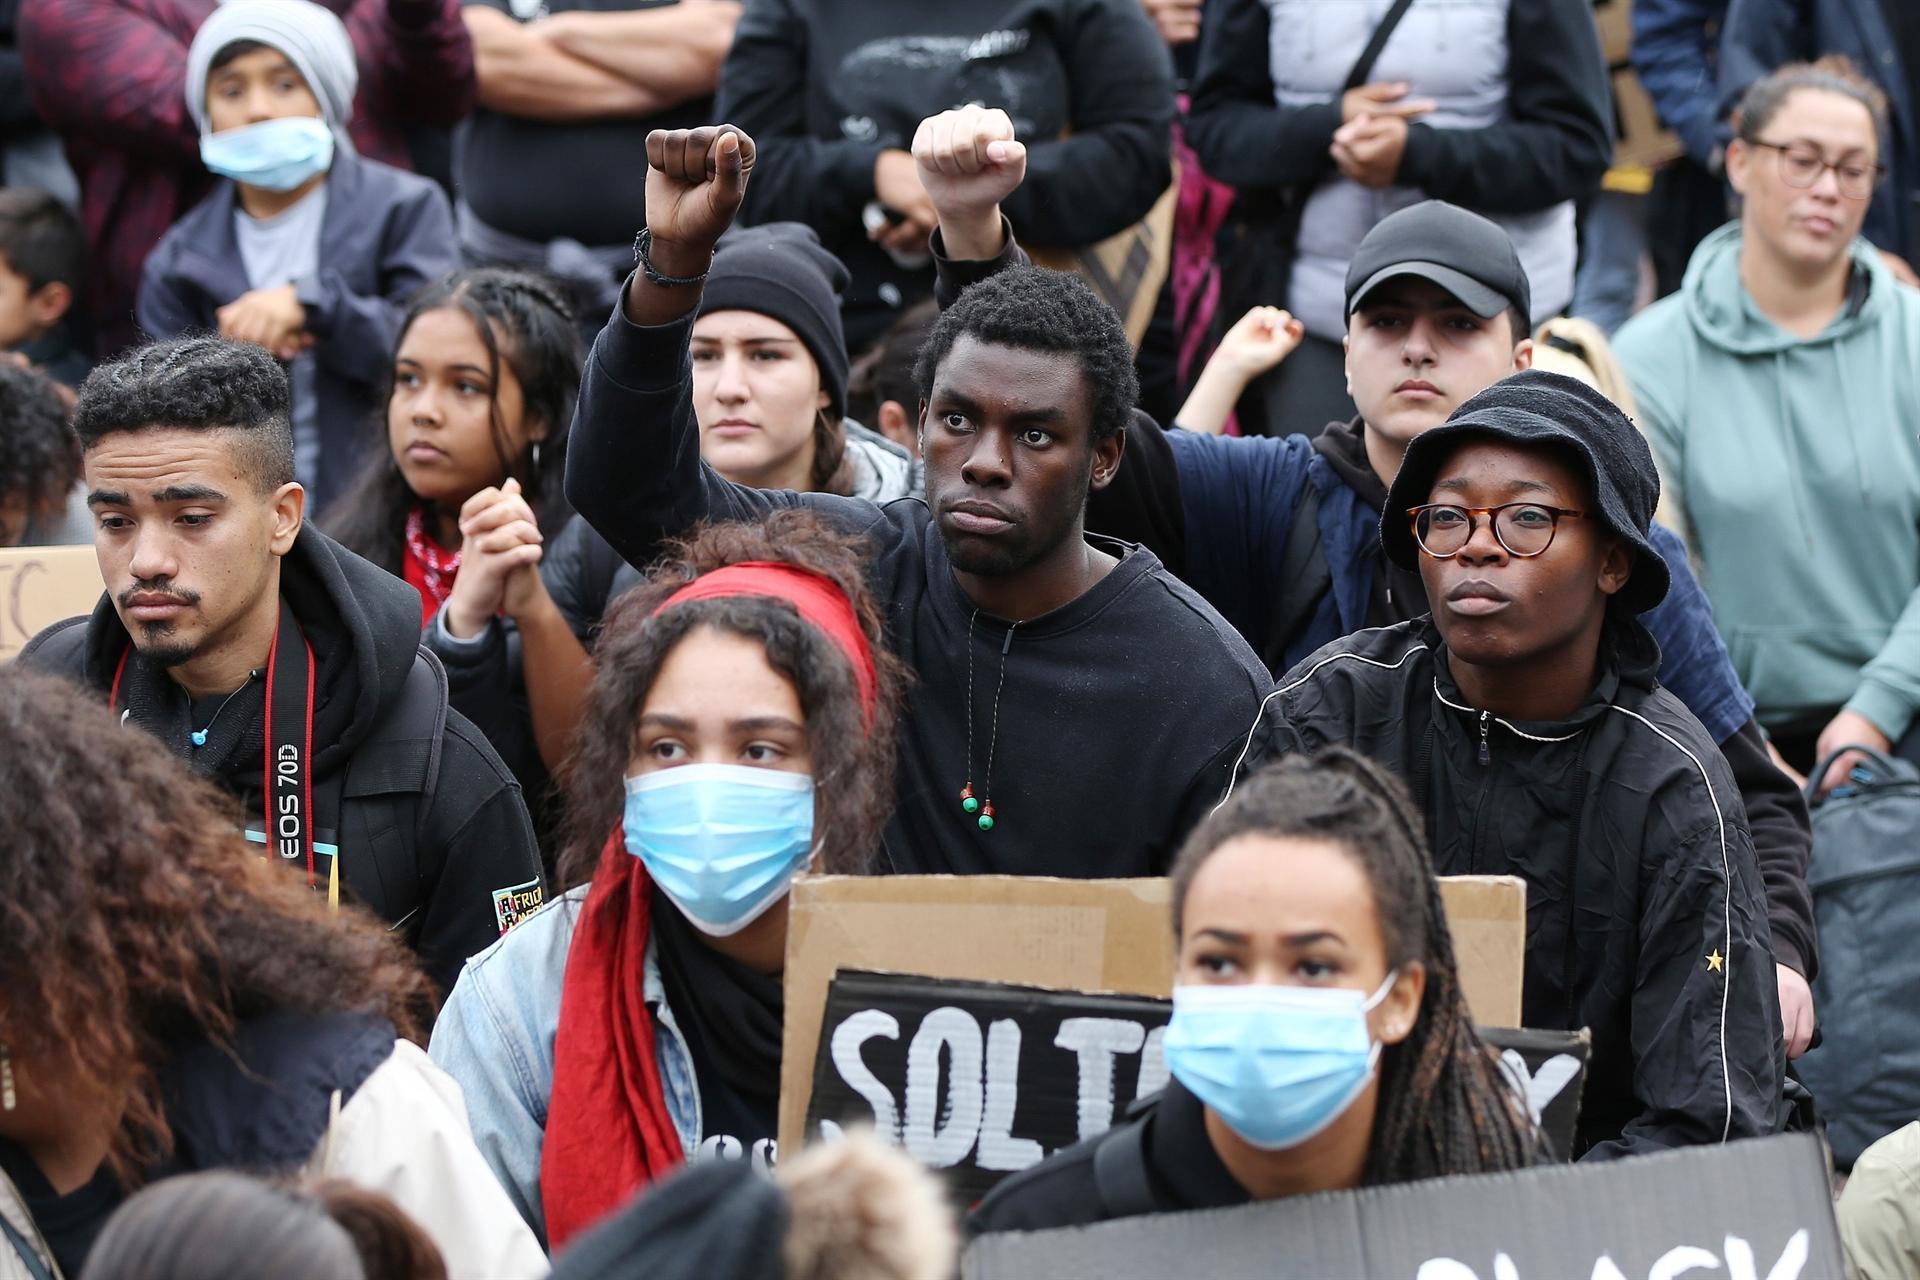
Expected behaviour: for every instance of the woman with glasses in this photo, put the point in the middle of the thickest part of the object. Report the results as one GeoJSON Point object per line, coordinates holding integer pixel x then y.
{"type": "Point", "coordinates": [1525, 716]}
{"type": "Point", "coordinates": [1781, 391]}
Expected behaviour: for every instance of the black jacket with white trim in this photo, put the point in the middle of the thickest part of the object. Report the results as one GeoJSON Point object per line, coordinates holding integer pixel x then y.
{"type": "Point", "coordinates": [1646, 919]}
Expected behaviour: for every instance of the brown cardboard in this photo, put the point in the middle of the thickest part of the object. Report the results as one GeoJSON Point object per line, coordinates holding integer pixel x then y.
{"type": "Point", "coordinates": [1073, 935]}
{"type": "Point", "coordinates": [40, 586]}
{"type": "Point", "coordinates": [1643, 141]}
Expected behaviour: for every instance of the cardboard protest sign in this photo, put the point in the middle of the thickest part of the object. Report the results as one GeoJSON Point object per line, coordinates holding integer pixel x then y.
{"type": "Point", "coordinates": [40, 586]}
{"type": "Point", "coordinates": [1072, 935]}
{"type": "Point", "coordinates": [1755, 1210]}
{"type": "Point", "coordinates": [980, 1079]}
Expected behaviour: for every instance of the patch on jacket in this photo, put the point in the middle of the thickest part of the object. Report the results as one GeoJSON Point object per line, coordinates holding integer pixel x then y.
{"type": "Point", "coordinates": [516, 902]}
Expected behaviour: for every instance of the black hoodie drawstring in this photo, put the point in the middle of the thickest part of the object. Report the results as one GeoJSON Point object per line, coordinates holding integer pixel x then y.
{"type": "Point", "coordinates": [1573, 864]}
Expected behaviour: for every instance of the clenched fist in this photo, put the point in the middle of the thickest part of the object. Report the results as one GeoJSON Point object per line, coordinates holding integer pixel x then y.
{"type": "Point", "coordinates": [696, 179]}
{"type": "Point", "coordinates": [969, 162]}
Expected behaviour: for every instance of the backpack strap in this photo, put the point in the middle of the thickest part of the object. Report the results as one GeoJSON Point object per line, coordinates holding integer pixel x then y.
{"type": "Point", "coordinates": [1120, 1170]}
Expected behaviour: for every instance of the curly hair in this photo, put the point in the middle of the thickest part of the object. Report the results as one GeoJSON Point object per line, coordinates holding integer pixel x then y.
{"type": "Point", "coordinates": [41, 455]}
{"type": "Point", "coordinates": [1445, 1107]}
{"type": "Point", "coordinates": [1039, 310]}
{"type": "Point", "coordinates": [133, 913]}
{"type": "Point", "coordinates": [522, 320]}
{"type": "Point", "coordinates": [852, 764]}
{"type": "Point", "coordinates": [201, 384]}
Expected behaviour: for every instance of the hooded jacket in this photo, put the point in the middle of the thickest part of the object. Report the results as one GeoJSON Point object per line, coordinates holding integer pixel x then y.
{"type": "Point", "coordinates": [1797, 465]}
{"type": "Point", "coordinates": [430, 828]}
{"type": "Point", "coordinates": [1645, 917]}
{"type": "Point", "coordinates": [324, 1095]}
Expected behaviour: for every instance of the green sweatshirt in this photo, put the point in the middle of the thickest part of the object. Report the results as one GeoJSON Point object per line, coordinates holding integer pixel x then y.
{"type": "Point", "coordinates": [1796, 463]}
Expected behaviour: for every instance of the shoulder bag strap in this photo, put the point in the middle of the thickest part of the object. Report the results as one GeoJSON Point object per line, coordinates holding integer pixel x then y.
{"type": "Point", "coordinates": [1363, 67]}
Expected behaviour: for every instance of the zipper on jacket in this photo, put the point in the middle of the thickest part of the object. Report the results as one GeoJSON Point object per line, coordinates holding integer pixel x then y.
{"type": "Point", "coordinates": [1486, 755]}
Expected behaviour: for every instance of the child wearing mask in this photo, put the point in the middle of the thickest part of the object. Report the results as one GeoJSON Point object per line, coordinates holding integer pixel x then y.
{"type": "Point", "coordinates": [1319, 1041]}
{"type": "Point", "coordinates": [307, 249]}
{"type": "Point", "coordinates": [740, 730]}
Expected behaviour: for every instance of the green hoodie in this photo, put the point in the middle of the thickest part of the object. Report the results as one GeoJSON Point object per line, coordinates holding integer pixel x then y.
{"type": "Point", "coordinates": [1797, 465]}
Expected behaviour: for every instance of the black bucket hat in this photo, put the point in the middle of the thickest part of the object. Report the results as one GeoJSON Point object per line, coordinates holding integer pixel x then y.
{"type": "Point", "coordinates": [1540, 408]}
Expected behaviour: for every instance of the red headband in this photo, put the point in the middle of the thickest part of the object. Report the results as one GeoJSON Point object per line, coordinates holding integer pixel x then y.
{"type": "Point", "coordinates": [815, 598]}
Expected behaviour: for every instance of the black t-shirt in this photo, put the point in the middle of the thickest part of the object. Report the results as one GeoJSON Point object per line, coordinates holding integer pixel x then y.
{"type": "Point", "coordinates": [71, 1222]}
{"type": "Point", "coordinates": [543, 180]}
{"type": "Point", "coordinates": [732, 1020]}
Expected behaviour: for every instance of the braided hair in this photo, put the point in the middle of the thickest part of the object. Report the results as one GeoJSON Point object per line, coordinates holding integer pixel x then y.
{"type": "Point", "coordinates": [1445, 1104]}
{"type": "Point", "coordinates": [521, 319]}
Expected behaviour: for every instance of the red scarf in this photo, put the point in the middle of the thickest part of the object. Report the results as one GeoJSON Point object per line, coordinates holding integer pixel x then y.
{"type": "Point", "coordinates": [427, 567]}
{"type": "Point", "coordinates": [608, 1129]}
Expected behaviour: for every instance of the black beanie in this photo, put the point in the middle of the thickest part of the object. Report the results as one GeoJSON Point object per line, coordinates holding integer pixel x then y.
{"type": "Point", "coordinates": [715, 1218]}
{"type": "Point", "coordinates": [781, 269]}
{"type": "Point", "coordinates": [1541, 408]}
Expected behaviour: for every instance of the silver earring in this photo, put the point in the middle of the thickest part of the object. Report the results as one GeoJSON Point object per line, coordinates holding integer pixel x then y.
{"type": "Point", "coordinates": [7, 1099]}
{"type": "Point", "coordinates": [536, 455]}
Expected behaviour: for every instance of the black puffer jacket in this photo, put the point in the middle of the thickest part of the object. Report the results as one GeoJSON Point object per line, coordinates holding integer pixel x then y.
{"type": "Point", "coordinates": [1646, 920]}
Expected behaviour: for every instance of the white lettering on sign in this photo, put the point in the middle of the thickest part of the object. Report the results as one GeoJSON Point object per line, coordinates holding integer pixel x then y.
{"type": "Point", "coordinates": [999, 1149]}
{"type": "Point", "coordinates": [941, 1137]}
{"type": "Point", "coordinates": [845, 1047]}
{"type": "Point", "coordinates": [1541, 1087]}
{"type": "Point", "coordinates": [974, 1115]}
{"type": "Point", "coordinates": [1682, 1260]}
{"type": "Point", "coordinates": [1095, 1041]}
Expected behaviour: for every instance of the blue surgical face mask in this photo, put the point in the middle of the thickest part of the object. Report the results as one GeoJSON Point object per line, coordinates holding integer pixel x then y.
{"type": "Point", "coordinates": [276, 154]}
{"type": "Point", "coordinates": [723, 841]}
{"type": "Point", "coordinates": [1278, 1064]}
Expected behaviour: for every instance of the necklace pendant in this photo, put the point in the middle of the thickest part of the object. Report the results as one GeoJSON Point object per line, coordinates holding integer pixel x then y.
{"type": "Point", "coordinates": [199, 737]}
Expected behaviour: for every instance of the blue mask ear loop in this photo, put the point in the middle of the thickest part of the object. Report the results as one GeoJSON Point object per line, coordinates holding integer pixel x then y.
{"type": "Point", "coordinates": [1373, 1002]}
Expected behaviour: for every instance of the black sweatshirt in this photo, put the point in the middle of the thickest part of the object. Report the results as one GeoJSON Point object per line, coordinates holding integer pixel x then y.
{"type": "Point", "coordinates": [824, 86]}
{"type": "Point", "coordinates": [1122, 711]}
{"type": "Point", "coordinates": [1554, 146]}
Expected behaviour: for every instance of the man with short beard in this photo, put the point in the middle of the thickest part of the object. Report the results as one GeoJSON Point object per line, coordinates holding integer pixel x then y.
{"type": "Point", "coordinates": [1044, 733]}
{"type": "Point", "coordinates": [277, 663]}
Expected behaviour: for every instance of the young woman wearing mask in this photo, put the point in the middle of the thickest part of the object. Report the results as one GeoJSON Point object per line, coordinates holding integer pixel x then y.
{"type": "Point", "coordinates": [740, 731]}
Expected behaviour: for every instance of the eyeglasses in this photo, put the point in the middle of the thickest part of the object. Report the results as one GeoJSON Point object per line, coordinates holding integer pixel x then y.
{"type": "Point", "coordinates": [1525, 529]}
{"type": "Point", "coordinates": [1802, 165]}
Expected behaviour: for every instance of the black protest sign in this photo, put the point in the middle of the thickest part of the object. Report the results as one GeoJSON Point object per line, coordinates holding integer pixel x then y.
{"type": "Point", "coordinates": [1755, 1210]}
{"type": "Point", "coordinates": [982, 1079]}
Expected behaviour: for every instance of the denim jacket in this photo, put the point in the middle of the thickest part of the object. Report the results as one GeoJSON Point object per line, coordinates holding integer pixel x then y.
{"type": "Point", "coordinates": [495, 1037]}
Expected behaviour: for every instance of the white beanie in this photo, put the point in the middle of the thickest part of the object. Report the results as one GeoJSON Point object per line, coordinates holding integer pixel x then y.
{"type": "Point", "coordinates": [314, 40]}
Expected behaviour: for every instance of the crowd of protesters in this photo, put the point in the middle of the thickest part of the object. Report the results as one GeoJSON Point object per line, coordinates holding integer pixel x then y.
{"type": "Point", "coordinates": [563, 472]}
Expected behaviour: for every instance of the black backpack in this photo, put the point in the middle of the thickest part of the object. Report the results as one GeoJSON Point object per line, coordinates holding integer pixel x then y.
{"type": "Point", "coordinates": [1865, 877]}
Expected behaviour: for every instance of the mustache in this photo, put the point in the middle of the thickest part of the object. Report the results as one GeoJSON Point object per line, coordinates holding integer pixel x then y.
{"type": "Point", "coordinates": [157, 587]}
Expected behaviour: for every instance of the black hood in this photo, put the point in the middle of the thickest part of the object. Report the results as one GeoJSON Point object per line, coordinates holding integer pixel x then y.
{"type": "Point", "coordinates": [363, 624]}
{"type": "Point", "coordinates": [1345, 449]}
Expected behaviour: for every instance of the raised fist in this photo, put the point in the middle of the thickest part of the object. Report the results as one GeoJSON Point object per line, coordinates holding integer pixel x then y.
{"type": "Point", "coordinates": [695, 181]}
{"type": "Point", "coordinates": [968, 162]}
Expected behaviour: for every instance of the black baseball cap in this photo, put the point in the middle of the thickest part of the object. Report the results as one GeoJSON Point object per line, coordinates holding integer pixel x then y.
{"type": "Point", "coordinates": [1469, 256]}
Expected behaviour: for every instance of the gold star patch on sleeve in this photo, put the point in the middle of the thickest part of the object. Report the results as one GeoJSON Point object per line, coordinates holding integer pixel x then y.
{"type": "Point", "coordinates": [1716, 963]}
